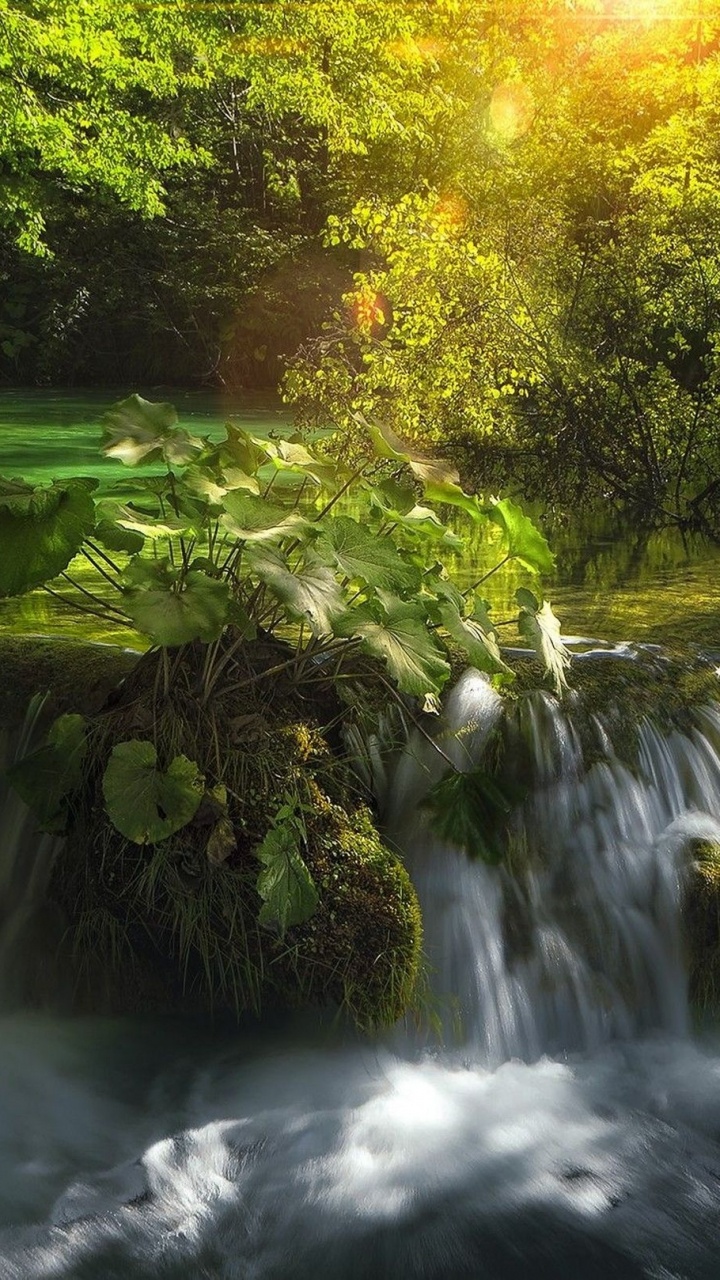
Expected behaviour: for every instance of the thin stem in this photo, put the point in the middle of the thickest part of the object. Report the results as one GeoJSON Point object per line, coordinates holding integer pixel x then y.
{"type": "Point", "coordinates": [91, 596]}
{"type": "Point", "coordinates": [99, 552]}
{"type": "Point", "coordinates": [487, 575]}
{"type": "Point", "coordinates": [115, 585]}
{"type": "Point", "coordinates": [80, 608]}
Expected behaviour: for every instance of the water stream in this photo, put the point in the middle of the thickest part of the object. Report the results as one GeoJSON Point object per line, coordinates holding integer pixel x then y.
{"type": "Point", "coordinates": [565, 1124]}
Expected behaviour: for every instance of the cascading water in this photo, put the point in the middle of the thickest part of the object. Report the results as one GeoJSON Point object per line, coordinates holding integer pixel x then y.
{"type": "Point", "coordinates": [568, 1126]}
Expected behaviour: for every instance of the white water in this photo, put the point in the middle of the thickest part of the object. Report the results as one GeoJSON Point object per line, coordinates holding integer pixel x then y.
{"type": "Point", "coordinates": [569, 1127]}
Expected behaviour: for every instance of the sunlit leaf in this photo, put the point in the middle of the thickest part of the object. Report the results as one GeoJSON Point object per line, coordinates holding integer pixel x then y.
{"type": "Point", "coordinates": [310, 592]}
{"type": "Point", "coordinates": [156, 530]}
{"type": "Point", "coordinates": [357, 552]}
{"type": "Point", "coordinates": [525, 542]}
{"type": "Point", "coordinates": [538, 625]}
{"type": "Point", "coordinates": [137, 430]}
{"type": "Point", "coordinates": [143, 802]}
{"type": "Point", "coordinates": [173, 614]}
{"type": "Point", "coordinates": [293, 456]}
{"type": "Point", "coordinates": [400, 637]}
{"type": "Point", "coordinates": [480, 645]}
{"type": "Point", "coordinates": [254, 519]}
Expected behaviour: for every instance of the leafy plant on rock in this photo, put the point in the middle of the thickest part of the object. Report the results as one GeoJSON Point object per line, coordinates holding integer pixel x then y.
{"type": "Point", "coordinates": [248, 546]}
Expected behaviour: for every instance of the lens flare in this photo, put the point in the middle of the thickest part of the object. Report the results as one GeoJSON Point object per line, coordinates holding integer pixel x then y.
{"type": "Point", "coordinates": [512, 108]}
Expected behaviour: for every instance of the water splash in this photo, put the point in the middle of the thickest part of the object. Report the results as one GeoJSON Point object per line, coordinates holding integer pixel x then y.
{"type": "Point", "coordinates": [581, 943]}
{"type": "Point", "coordinates": [129, 1152]}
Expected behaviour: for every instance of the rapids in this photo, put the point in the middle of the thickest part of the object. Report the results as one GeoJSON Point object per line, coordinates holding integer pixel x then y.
{"type": "Point", "coordinates": [566, 1123]}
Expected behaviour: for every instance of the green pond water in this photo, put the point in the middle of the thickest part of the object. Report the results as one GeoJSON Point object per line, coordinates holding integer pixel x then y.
{"type": "Point", "coordinates": [613, 581]}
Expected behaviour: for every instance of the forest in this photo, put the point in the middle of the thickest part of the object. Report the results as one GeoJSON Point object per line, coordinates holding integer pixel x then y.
{"type": "Point", "coordinates": [492, 225]}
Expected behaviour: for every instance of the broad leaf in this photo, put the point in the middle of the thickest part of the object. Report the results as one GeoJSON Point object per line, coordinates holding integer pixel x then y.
{"type": "Point", "coordinates": [172, 614]}
{"type": "Point", "coordinates": [442, 489]}
{"type": "Point", "coordinates": [144, 803]}
{"type": "Point", "coordinates": [41, 530]}
{"type": "Point", "coordinates": [400, 637]}
{"type": "Point", "coordinates": [285, 884]}
{"type": "Point", "coordinates": [469, 810]}
{"type": "Point", "coordinates": [392, 496]}
{"type": "Point", "coordinates": [253, 519]}
{"type": "Point", "coordinates": [359, 553]}
{"type": "Point", "coordinates": [137, 430]}
{"type": "Point", "coordinates": [480, 645]}
{"type": "Point", "coordinates": [115, 537]}
{"type": "Point", "coordinates": [537, 624]}
{"type": "Point", "coordinates": [155, 530]}
{"type": "Point", "coordinates": [293, 456]}
{"type": "Point", "coordinates": [213, 484]}
{"type": "Point", "coordinates": [310, 593]}
{"type": "Point", "coordinates": [45, 778]}
{"type": "Point", "coordinates": [526, 544]}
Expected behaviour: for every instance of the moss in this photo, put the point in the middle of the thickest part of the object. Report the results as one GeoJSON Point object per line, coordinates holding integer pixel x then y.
{"type": "Point", "coordinates": [362, 947]}
{"type": "Point", "coordinates": [171, 913]}
{"type": "Point", "coordinates": [76, 676]}
{"type": "Point", "coordinates": [701, 914]}
{"type": "Point", "coordinates": [621, 693]}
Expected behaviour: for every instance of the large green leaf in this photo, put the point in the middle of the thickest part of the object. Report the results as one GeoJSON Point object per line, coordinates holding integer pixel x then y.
{"type": "Point", "coordinates": [45, 778]}
{"type": "Point", "coordinates": [115, 537]}
{"type": "Point", "coordinates": [478, 642]}
{"type": "Point", "coordinates": [309, 592]}
{"type": "Point", "coordinates": [144, 803]}
{"type": "Point", "coordinates": [469, 810]}
{"type": "Point", "coordinates": [173, 614]}
{"type": "Point", "coordinates": [212, 483]}
{"type": "Point", "coordinates": [253, 519]}
{"type": "Point", "coordinates": [41, 530]}
{"type": "Point", "coordinates": [285, 884]}
{"type": "Point", "coordinates": [525, 542]}
{"type": "Point", "coordinates": [537, 624]}
{"type": "Point", "coordinates": [293, 456]}
{"type": "Point", "coordinates": [357, 552]}
{"type": "Point", "coordinates": [400, 637]}
{"type": "Point", "coordinates": [440, 479]}
{"type": "Point", "coordinates": [137, 430]}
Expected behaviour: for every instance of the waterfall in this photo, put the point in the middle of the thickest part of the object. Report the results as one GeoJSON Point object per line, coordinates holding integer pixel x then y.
{"type": "Point", "coordinates": [581, 943]}
{"type": "Point", "coordinates": [563, 1124]}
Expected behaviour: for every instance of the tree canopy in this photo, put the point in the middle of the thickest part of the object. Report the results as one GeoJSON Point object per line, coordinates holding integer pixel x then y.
{"type": "Point", "coordinates": [492, 225]}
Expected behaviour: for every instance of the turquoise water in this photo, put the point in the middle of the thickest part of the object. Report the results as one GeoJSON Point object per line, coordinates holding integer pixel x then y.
{"type": "Point", "coordinates": [46, 435]}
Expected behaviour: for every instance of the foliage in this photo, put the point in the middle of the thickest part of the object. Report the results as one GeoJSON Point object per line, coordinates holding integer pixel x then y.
{"type": "Point", "coordinates": [250, 537]}
{"type": "Point", "coordinates": [285, 884]}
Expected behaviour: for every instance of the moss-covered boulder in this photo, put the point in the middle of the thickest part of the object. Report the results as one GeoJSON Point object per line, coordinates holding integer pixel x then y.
{"type": "Point", "coordinates": [701, 913]}
{"type": "Point", "coordinates": [174, 924]}
{"type": "Point", "coordinates": [74, 676]}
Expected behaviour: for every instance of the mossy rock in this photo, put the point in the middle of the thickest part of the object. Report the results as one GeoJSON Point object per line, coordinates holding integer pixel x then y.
{"type": "Point", "coordinates": [701, 916]}
{"type": "Point", "coordinates": [172, 925]}
{"type": "Point", "coordinates": [75, 676]}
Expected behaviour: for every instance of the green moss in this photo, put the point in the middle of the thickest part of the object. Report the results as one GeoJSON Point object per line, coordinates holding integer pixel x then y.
{"type": "Point", "coordinates": [362, 947]}
{"type": "Point", "coordinates": [701, 913]}
{"type": "Point", "coordinates": [170, 912]}
{"type": "Point", "coordinates": [622, 693]}
{"type": "Point", "coordinates": [76, 676]}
